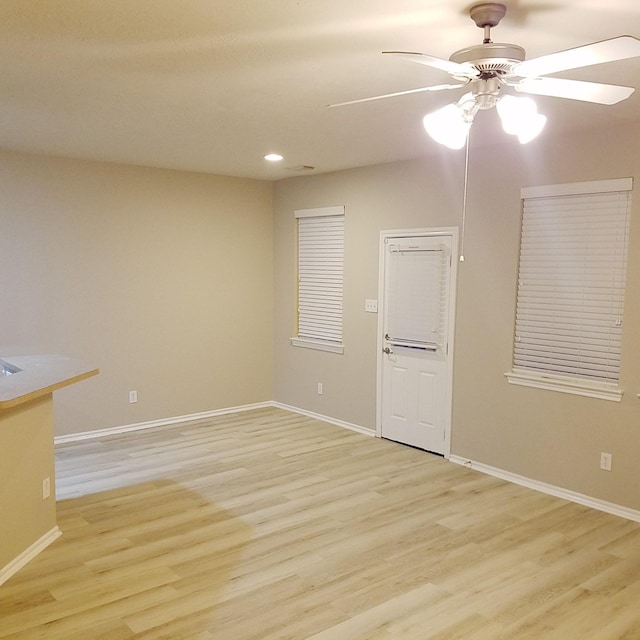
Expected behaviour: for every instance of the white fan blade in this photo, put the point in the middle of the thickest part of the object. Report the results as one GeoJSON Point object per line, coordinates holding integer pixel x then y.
{"type": "Point", "coordinates": [437, 87]}
{"type": "Point", "coordinates": [452, 68]}
{"type": "Point", "coordinates": [575, 90]}
{"type": "Point", "coordinates": [596, 53]}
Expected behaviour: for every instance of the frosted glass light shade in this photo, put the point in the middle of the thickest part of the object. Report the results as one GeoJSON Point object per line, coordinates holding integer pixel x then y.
{"type": "Point", "coordinates": [520, 117]}
{"type": "Point", "coordinates": [447, 126]}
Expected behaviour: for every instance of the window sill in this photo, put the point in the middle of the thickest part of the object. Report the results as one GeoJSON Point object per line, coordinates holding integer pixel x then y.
{"type": "Point", "coordinates": [319, 345]}
{"type": "Point", "coordinates": [565, 385]}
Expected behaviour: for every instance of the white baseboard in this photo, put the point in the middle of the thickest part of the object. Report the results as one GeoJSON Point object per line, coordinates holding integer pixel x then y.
{"type": "Point", "coordinates": [550, 489]}
{"type": "Point", "coordinates": [318, 416]}
{"type": "Point", "coordinates": [110, 431]}
{"type": "Point", "coordinates": [29, 554]}
{"type": "Point", "coordinates": [101, 433]}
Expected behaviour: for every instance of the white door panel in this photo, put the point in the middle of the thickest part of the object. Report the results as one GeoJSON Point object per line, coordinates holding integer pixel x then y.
{"type": "Point", "coordinates": [399, 395]}
{"type": "Point", "coordinates": [427, 399]}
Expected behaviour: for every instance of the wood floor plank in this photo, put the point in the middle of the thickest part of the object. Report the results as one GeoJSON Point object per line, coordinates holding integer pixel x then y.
{"type": "Point", "coordinates": [268, 525]}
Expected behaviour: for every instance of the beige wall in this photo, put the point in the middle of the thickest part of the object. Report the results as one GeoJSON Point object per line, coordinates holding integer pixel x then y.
{"type": "Point", "coordinates": [548, 436]}
{"type": "Point", "coordinates": [393, 196]}
{"type": "Point", "coordinates": [162, 279]}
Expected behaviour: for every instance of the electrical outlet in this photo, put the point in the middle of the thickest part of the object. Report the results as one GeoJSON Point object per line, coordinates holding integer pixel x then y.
{"type": "Point", "coordinates": [46, 488]}
{"type": "Point", "coordinates": [320, 390]}
{"type": "Point", "coordinates": [605, 461]}
{"type": "Point", "coordinates": [133, 396]}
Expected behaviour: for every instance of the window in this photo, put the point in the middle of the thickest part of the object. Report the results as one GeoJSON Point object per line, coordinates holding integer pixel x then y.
{"type": "Point", "coordinates": [571, 286]}
{"type": "Point", "coordinates": [417, 291]}
{"type": "Point", "coordinates": [320, 277]}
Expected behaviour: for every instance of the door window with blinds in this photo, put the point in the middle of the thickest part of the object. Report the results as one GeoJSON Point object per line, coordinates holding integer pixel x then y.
{"type": "Point", "coordinates": [571, 287]}
{"type": "Point", "coordinates": [320, 278]}
{"type": "Point", "coordinates": [416, 307]}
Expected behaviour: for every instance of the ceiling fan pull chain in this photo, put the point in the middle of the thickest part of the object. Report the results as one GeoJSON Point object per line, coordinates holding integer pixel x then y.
{"type": "Point", "coordinates": [464, 196]}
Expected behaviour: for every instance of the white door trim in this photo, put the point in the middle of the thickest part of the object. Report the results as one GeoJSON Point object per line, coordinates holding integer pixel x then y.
{"type": "Point", "coordinates": [455, 252]}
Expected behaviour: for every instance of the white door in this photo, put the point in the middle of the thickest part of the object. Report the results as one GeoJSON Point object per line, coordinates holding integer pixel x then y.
{"type": "Point", "coordinates": [417, 276]}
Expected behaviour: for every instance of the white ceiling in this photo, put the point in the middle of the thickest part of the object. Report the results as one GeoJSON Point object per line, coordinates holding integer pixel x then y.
{"type": "Point", "coordinates": [213, 85]}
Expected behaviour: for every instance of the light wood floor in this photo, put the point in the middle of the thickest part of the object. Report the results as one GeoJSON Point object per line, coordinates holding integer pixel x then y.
{"type": "Point", "coordinates": [269, 525]}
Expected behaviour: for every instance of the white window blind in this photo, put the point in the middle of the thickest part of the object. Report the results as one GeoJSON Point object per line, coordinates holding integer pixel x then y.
{"type": "Point", "coordinates": [571, 283]}
{"type": "Point", "coordinates": [320, 278]}
{"type": "Point", "coordinates": [416, 306]}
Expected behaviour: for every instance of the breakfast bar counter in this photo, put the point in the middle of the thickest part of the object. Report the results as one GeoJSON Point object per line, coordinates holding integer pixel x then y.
{"type": "Point", "coordinates": [27, 457]}
{"type": "Point", "coordinates": [25, 378]}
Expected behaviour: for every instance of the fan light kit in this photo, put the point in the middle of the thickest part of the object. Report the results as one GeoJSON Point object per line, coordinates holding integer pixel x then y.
{"type": "Point", "coordinates": [489, 67]}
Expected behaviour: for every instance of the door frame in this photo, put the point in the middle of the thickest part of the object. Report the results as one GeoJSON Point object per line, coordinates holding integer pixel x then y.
{"type": "Point", "coordinates": [431, 232]}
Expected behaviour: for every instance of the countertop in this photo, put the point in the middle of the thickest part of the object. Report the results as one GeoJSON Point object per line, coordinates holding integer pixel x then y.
{"type": "Point", "coordinates": [39, 375]}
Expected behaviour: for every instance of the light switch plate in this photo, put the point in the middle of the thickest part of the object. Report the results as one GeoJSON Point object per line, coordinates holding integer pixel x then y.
{"type": "Point", "coordinates": [371, 306]}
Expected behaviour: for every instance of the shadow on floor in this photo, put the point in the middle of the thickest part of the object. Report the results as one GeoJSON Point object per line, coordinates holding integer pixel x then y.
{"type": "Point", "coordinates": [152, 560]}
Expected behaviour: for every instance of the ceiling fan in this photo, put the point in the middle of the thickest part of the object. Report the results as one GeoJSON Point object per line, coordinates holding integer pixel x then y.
{"type": "Point", "coordinates": [489, 67]}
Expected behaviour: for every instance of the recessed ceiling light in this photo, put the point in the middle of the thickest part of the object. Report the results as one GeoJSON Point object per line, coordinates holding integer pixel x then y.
{"type": "Point", "coordinates": [273, 157]}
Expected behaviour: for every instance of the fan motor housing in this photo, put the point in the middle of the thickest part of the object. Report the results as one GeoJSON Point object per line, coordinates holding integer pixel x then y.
{"type": "Point", "coordinates": [490, 59]}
